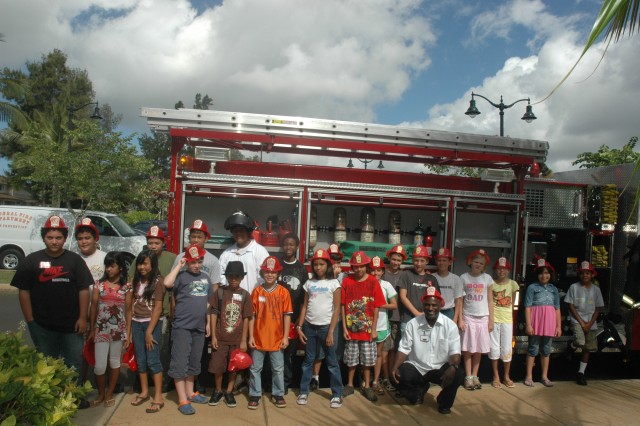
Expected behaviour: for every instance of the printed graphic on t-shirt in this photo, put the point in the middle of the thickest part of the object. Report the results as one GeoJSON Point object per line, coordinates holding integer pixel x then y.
{"type": "Point", "coordinates": [231, 318]}
{"type": "Point", "coordinates": [317, 290]}
{"type": "Point", "coordinates": [293, 282]}
{"type": "Point", "coordinates": [357, 319]}
{"type": "Point", "coordinates": [474, 291]}
{"type": "Point", "coordinates": [501, 300]}
{"type": "Point", "coordinates": [52, 273]}
{"type": "Point", "coordinates": [199, 288]}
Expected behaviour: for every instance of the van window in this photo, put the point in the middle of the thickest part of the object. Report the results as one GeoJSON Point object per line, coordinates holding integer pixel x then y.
{"type": "Point", "coordinates": [122, 227]}
{"type": "Point", "coordinates": [104, 227]}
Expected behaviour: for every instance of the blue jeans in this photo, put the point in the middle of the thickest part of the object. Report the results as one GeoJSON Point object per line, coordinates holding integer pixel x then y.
{"type": "Point", "coordinates": [148, 360]}
{"type": "Point", "coordinates": [540, 344]}
{"type": "Point", "coordinates": [449, 313]}
{"type": "Point", "coordinates": [277, 372]}
{"type": "Point", "coordinates": [317, 337]}
{"type": "Point", "coordinates": [57, 344]}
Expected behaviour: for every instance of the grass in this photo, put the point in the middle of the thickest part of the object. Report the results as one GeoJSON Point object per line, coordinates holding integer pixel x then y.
{"type": "Point", "coordinates": [6, 276]}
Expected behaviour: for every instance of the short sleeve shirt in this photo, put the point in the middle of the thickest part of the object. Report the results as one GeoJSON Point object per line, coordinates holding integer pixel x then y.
{"type": "Point", "coordinates": [476, 290]}
{"type": "Point", "coordinates": [54, 284]}
{"type": "Point", "coordinates": [293, 277]}
{"type": "Point", "coordinates": [416, 286]}
{"type": "Point", "coordinates": [191, 293]}
{"type": "Point", "coordinates": [585, 301]}
{"type": "Point", "coordinates": [231, 311]}
{"type": "Point", "coordinates": [389, 293]}
{"type": "Point", "coordinates": [542, 295]}
{"type": "Point", "coordinates": [143, 307]}
{"type": "Point", "coordinates": [269, 308]}
{"type": "Point", "coordinates": [394, 315]}
{"type": "Point", "coordinates": [450, 289]}
{"type": "Point", "coordinates": [503, 295]}
{"type": "Point", "coordinates": [360, 298]}
{"type": "Point", "coordinates": [320, 306]}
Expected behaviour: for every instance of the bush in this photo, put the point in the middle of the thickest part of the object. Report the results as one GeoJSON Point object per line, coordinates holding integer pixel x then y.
{"type": "Point", "coordinates": [35, 389]}
{"type": "Point", "coordinates": [134, 217]}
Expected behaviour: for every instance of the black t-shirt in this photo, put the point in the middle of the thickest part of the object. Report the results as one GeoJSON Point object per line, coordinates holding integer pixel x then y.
{"type": "Point", "coordinates": [293, 277]}
{"type": "Point", "coordinates": [54, 284]}
{"type": "Point", "coordinates": [416, 286]}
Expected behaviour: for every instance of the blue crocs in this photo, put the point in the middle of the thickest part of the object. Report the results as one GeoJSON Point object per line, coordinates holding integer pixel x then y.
{"type": "Point", "coordinates": [186, 409]}
{"type": "Point", "coordinates": [198, 398]}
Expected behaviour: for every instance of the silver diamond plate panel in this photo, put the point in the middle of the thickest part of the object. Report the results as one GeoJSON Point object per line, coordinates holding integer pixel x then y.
{"type": "Point", "coordinates": [554, 206]}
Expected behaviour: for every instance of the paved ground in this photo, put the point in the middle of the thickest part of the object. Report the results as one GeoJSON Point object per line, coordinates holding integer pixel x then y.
{"type": "Point", "coordinates": [606, 402]}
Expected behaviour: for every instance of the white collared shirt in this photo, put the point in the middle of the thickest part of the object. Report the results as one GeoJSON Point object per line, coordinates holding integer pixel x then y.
{"type": "Point", "coordinates": [251, 257]}
{"type": "Point", "coordinates": [429, 348]}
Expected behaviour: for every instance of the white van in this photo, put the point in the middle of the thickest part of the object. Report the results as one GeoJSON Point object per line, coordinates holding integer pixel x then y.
{"type": "Point", "coordinates": [20, 232]}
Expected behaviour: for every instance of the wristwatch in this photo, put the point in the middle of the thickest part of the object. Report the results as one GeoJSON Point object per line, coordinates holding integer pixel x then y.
{"type": "Point", "coordinates": [299, 327]}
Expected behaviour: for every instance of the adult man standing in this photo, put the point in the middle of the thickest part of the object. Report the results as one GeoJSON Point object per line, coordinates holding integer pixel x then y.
{"type": "Point", "coordinates": [53, 292]}
{"type": "Point", "coordinates": [245, 250]}
{"type": "Point", "coordinates": [429, 352]}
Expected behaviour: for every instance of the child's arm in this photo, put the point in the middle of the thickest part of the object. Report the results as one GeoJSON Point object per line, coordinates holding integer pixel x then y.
{"type": "Point", "coordinates": [558, 323]}
{"type": "Point", "coordinates": [491, 306]}
{"type": "Point", "coordinates": [245, 331]}
{"type": "Point", "coordinates": [527, 317]}
{"type": "Point", "coordinates": [374, 332]}
{"type": "Point", "coordinates": [155, 317]}
{"type": "Point", "coordinates": [128, 303]}
{"type": "Point", "coordinates": [593, 319]}
{"type": "Point", "coordinates": [345, 331]}
{"type": "Point", "coordinates": [337, 296]}
{"type": "Point", "coordinates": [213, 319]}
{"type": "Point", "coordinates": [170, 279]}
{"type": "Point", "coordinates": [286, 325]}
{"type": "Point", "coordinates": [207, 327]}
{"type": "Point", "coordinates": [407, 303]}
{"type": "Point", "coordinates": [93, 316]}
{"type": "Point", "coordinates": [574, 313]}
{"type": "Point", "coordinates": [303, 313]}
{"type": "Point", "coordinates": [457, 313]}
{"type": "Point", "coordinates": [393, 304]}
{"type": "Point", "coordinates": [252, 341]}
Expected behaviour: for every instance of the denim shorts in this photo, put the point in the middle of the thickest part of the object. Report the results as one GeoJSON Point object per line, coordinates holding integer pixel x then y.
{"type": "Point", "coordinates": [540, 344]}
{"type": "Point", "coordinates": [148, 359]}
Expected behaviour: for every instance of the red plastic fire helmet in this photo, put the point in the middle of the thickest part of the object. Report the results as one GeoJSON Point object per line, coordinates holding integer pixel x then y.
{"type": "Point", "coordinates": [239, 360]}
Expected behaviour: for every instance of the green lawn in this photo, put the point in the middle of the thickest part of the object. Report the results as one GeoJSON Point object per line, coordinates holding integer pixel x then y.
{"type": "Point", "coordinates": [5, 276]}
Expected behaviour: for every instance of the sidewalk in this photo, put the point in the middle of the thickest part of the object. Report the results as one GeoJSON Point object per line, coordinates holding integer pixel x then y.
{"type": "Point", "coordinates": [606, 402]}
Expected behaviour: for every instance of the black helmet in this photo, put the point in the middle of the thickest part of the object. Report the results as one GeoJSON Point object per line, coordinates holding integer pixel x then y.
{"type": "Point", "coordinates": [239, 218]}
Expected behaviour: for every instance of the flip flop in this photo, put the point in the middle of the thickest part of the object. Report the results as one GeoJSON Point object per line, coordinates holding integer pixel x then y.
{"type": "Point", "coordinates": [110, 402]}
{"type": "Point", "coordinates": [509, 384]}
{"type": "Point", "coordinates": [186, 408]}
{"type": "Point", "coordinates": [155, 407]}
{"type": "Point", "coordinates": [96, 402]}
{"type": "Point", "coordinates": [496, 384]}
{"type": "Point", "coordinates": [529, 383]}
{"type": "Point", "coordinates": [139, 400]}
{"type": "Point", "coordinates": [547, 383]}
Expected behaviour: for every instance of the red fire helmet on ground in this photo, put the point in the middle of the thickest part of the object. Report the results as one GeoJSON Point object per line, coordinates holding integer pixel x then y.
{"type": "Point", "coordinates": [239, 360]}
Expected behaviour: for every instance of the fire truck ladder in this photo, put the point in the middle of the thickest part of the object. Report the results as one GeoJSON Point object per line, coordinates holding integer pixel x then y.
{"type": "Point", "coordinates": [322, 137]}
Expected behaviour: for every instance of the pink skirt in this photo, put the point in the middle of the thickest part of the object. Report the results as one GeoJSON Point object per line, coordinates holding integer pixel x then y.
{"type": "Point", "coordinates": [475, 338]}
{"type": "Point", "coordinates": [543, 320]}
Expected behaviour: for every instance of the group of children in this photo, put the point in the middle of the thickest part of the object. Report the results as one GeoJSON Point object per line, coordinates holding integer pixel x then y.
{"type": "Point", "coordinates": [367, 309]}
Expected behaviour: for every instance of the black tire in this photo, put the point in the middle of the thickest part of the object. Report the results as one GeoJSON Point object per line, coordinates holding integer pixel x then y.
{"type": "Point", "coordinates": [10, 259]}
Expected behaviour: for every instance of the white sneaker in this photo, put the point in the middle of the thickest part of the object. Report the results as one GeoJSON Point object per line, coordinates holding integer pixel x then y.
{"type": "Point", "coordinates": [336, 402]}
{"type": "Point", "coordinates": [302, 399]}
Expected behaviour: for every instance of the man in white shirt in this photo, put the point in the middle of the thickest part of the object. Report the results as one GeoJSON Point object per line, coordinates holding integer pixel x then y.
{"type": "Point", "coordinates": [429, 352]}
{"type": "Point", "coordinates": [245, 250]}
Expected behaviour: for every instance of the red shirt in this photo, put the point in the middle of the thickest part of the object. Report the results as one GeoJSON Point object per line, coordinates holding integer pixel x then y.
{"type": "Point", "coordinates": [359, 300]}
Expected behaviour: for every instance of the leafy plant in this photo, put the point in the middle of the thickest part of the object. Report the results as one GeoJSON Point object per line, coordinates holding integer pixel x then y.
{"type": "Point", "coordinates": [35, 389]}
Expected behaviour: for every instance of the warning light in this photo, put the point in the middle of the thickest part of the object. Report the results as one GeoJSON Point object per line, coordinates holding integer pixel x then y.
{"type": "Point", "coordinates": [186, 162]}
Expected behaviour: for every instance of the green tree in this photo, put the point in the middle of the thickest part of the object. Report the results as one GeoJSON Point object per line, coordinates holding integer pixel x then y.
{"type": "Point", "coordinates": [606, 156]}
{"type": "Point", "coordinates": [156, 147]}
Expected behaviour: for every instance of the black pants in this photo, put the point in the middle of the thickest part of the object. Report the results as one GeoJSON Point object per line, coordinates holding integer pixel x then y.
{"type": "Point", "coordinates": [414, 385]}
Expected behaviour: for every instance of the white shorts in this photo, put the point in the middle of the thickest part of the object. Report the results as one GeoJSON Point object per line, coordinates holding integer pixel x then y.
{"type": "Point", "coordinates": [501, 341]}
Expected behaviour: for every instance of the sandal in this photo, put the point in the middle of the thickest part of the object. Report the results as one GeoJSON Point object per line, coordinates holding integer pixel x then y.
{"type": "Point", "coordinates": [496, 384]}
{"type": "Point", "coordinates": [139, 400]}
{"type": "Point", "coordinates": [155, 407]}
{"type": "Point", "coordinates": [109, 402]}
{"type": "Point", "coordinates": [509, 383]}
{"type": "Point", "coordinates": [547, 383]}
{"type": "Point", "coordinates": [528, 382]}
{"type": "Point", "coordinates": [186, 408]}
{"type": "Point", "coordinates": [198, 398]}
{"type": "Point", "coordinates": [96, 402]}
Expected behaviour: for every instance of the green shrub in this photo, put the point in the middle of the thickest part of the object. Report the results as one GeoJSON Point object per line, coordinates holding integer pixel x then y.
{"type": "Point", "coordinates": [134, 217]}
{"type": "Point", "coordinates": [35, 389]}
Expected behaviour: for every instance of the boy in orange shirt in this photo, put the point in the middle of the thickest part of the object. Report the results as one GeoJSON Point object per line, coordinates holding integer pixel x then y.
{"type": "Point", "coordinates": [269, 332]}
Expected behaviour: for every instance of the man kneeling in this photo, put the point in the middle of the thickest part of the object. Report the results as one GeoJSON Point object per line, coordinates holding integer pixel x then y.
{"type": "Point", "coordinates": [429, 352]}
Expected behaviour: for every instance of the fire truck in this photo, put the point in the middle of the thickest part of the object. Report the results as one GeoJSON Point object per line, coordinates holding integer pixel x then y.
{"type": "Point", "coordinates": [304, 181]}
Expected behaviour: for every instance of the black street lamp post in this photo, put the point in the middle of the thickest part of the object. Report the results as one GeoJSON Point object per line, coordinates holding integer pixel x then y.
{"type": "Point", "coordinates": [96, 115]}
{"type": "Point", "coordinates": [473, 110]}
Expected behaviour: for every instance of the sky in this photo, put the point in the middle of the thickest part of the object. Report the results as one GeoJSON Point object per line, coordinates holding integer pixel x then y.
{"type": "Point", "coordinates": [397, 62]}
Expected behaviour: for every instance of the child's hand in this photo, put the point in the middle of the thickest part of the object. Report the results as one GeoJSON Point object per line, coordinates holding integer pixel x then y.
{"type": "Point", "coordinates": [92, 334]}
{"type": "Point", "coordinates": [558, 331]}
{"type": "Point", "coordinates": [529, 330]}
{"type": "Point", "coordinates": [491, 326]}
{"type": "Point", "coordinates": [182, 262]}
{"type": "Point", "coordinates": [243, 346]}
{"type": "Point", "coordinates": [252, 342]}
{"type": "Point", "coordinates": [302, 336]}
{"type": "Point", "coordinates": [149, 340]}
{"type": "Point", "coordinates": [214, 342]}
{"type": "Point", "coordinates": [285, 342]}
{"type": "Point", "coordinates": [126, 342]}
{"type": "Point", "coordinates": [329, 340]}
{"type": "Point", "coordinates": [374, 335]}
{"type": "Point", "coordinates": [346, 333]}
{"type": "Point", "coordinates": [207, 330]}
{"type": "Point", "coordinates": [461, 324]}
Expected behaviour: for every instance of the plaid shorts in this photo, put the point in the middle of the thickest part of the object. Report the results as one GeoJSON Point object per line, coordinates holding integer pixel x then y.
{"type": "Point", "coordinates": [359, 352]}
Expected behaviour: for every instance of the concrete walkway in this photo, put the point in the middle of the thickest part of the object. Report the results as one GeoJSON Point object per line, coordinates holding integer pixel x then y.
{"type": "Point", "coordinates": [606, 402]}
